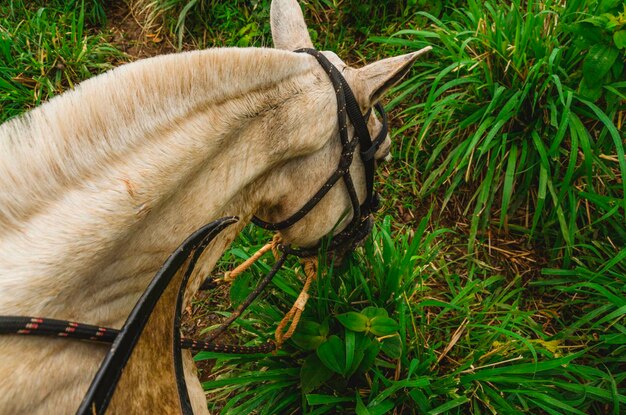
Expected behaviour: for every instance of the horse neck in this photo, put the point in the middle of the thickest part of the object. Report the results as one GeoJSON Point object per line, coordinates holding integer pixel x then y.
{"type": "Point", "coordinates": [123, 111]}
{"type": "Point", "coordinates": [101, 184]}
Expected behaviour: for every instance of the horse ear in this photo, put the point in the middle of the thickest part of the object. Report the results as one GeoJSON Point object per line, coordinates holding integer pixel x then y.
{"type": "Point", "coordinates": [376, 78]}
{"type": "Point", "coordinates": [288, 27]}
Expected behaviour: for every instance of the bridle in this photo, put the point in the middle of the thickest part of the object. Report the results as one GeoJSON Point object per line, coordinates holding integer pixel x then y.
{"type": "Point", "coordinates": [347, 109]}
{"type": "Point", "coordinates": [176, 271]}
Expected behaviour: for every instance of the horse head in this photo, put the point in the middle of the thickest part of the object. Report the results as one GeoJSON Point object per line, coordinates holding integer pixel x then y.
{"type": "Point", "coordinates": [303, 176]}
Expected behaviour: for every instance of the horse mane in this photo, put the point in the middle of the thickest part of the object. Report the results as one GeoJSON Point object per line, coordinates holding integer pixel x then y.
{"type": "Point", "coordinates": [56, 145]}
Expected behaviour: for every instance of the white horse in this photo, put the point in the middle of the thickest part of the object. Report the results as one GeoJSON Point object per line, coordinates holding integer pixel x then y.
{"type": "Point", "coordinates": [99, 185]}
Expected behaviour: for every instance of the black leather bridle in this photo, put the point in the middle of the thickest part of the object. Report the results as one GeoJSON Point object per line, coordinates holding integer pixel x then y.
{"type": "Point", "coordinates": [347, 110]}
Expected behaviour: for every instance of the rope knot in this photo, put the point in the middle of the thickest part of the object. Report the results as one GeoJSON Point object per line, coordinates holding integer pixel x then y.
{"type": "Point", "coordinates": [310, 266]}
{"type": "Point", "coordinates": [229, 276]}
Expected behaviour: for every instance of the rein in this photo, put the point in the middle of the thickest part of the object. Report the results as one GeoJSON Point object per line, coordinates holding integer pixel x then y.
{"type": "Point", "coordinates": [359, 227]}
{"type": "Point", "coordinates": [81, 331]}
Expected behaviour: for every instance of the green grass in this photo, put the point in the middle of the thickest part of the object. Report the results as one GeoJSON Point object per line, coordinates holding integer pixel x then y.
{"type": "Point", "coordinates": [332, 24]}
{"type": "Point", "coordinates": [47, 47]}
{"type": "Point", "coordinates": [453, 342]}
{"type": "Point", "coordinates": [498, 283]}
{"type": "Point", "coordinates": [509, 115]}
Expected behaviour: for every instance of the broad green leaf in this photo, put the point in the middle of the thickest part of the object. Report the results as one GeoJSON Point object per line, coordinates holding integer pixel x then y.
{"type": "Point", "coordinates": [619, 38]}
{"type": "Point", "coordinates": [333, 354]}
{"type": "Point", "coordinates": [306, 342]}
{"type": "Point", "coordinates": [325, 327]}
{"type": "Point", "coordinates": [361, 342]}
{"type": "Point", "coordinates": [598, 63]}
{"type": "Point", "coordinates": [383, 326]}
{"type": "Point", "coordinates": [591, 93]}
{"type": "Point", "coordinates": [369, 355]}
{"type": "Point", "coordinates": [354, 321]}
{"type": "Point", "coordinates": [308, 335]}
{"type": "Point", "coordinates": [309, 327]}
{"type": "Point", "coordinates": [313, 373]}
{"type": "Point", "coordinates": [240, 288]}
{"type": "Point", "coordinates": [371, 312]}
{"type": "Point", "coordinates": [392, 347]}
{"type": "Point", "coordinates": [587, 34]}
{"type": "Point", "coordinates": [360, 409]}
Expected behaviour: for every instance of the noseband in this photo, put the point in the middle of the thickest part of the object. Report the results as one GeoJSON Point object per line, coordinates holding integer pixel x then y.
{"type": "Point", "coordinates": [347, 109]}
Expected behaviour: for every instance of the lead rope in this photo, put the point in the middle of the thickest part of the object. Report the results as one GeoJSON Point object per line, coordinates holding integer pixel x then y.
{"type": "Point", "coordinates": [229, 276]}
{"type": "Point", "coordinates": [310, 266]}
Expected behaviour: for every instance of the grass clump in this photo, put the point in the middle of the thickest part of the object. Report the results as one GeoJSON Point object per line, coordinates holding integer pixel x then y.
{"type": "Point", "coordinates": [404, 329]}
{"type": "Point", "coordinates": [336, 343]}
{"type": "Point", "coordinates": [206, 23]}
{"type": "Point", "coordinates": [523, 106]}
{"type": "Point", "coordinates": [335, 25]}
{"type": "Point", "coordinates": [46, 48]}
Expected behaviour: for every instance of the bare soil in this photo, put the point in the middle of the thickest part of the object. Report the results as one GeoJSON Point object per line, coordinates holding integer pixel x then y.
{"type": "Point", "coordinates": [129, 35]}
